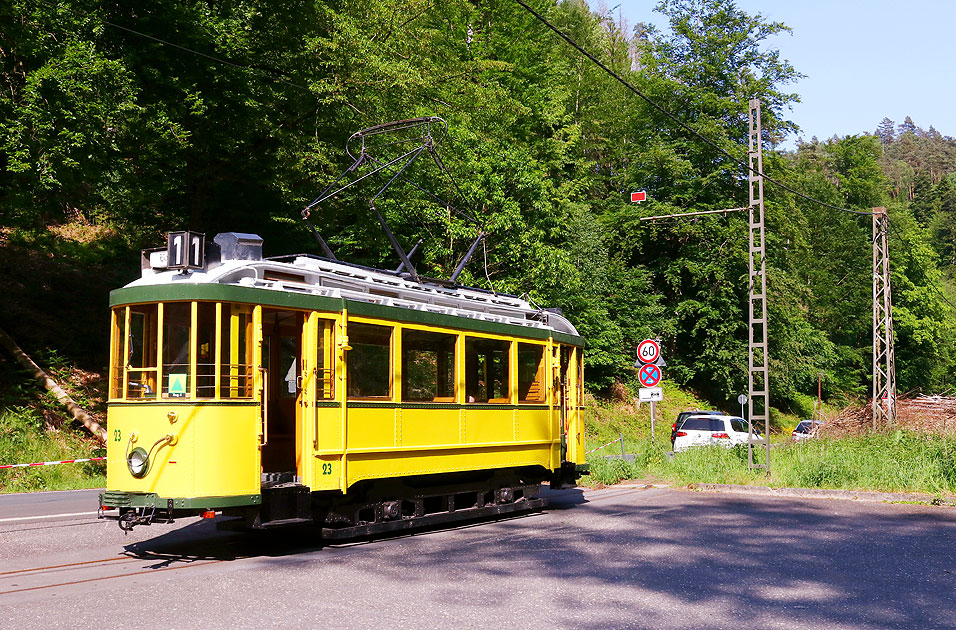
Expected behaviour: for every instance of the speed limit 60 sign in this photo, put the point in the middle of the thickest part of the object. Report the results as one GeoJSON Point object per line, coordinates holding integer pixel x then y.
{"type": "Point", "coordinates": [648, 351]}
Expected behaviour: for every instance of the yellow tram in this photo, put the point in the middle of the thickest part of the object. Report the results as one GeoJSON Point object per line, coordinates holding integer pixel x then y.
{"type": "Point", "coordinates": [301, 389]}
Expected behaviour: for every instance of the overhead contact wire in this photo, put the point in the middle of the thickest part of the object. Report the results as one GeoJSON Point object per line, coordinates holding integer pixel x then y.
{"type": "Point", "coordinates": [909, 247]}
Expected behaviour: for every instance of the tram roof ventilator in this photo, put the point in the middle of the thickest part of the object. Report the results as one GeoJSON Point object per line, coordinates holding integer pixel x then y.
{"type": "Point", "coordinates": [236, 258]}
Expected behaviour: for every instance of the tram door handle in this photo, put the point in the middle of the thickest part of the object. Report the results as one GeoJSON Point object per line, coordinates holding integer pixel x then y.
{"type": "Point", "coordinates": [264, 405]}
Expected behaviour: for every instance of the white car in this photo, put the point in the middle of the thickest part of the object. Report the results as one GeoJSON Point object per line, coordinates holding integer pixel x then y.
{"type": "Point", "coordinates": [726, 431]}
{"type": "Point", "coordinates": [806, 429]}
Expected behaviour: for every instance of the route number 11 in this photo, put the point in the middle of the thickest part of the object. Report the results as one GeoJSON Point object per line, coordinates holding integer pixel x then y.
{"type": "Point", "coordinates": [185, 250]}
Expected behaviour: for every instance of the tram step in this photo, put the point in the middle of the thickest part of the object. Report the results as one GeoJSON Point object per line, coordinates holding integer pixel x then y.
{"type": "Point", "coordinates": [285, 503]}
{"type": "Point", "coordinates": [273, 478]}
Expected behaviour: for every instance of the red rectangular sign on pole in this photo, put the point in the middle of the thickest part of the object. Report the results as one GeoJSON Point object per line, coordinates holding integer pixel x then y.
{"type": "Point", "coordinates": [639, 196]}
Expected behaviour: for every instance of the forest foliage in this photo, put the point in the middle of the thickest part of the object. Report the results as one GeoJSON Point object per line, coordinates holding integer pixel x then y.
{"type": "Point", "coordinates": [126, 119]}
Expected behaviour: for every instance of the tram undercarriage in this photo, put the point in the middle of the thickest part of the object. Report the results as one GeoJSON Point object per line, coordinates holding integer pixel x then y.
{"type": "Point", "coordinates": [369, 508]}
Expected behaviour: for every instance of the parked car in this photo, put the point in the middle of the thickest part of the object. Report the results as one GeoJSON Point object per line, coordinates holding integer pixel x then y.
{"type": "Point", "coordinates": [711, 430]}
{"type": "Point", "coordinates": [806, 429]}
{"type": "Point", "coordinates": [687, 414]}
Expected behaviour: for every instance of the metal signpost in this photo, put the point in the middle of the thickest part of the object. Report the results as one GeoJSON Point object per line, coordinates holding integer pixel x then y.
{"type": "Point", "coordinates": [649, 362]}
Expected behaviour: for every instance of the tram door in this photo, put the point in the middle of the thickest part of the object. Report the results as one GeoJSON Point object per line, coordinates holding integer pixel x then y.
{"type": "Point", "coordinates": [281, 360]}
{"type": "Point", "coordinates": [562, 394]}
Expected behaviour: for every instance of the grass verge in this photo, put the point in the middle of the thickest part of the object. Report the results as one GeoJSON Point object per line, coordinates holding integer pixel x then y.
{"type": "Point", "coordinates": [898, 461]}
{"type": "Point", "coordinates": [24, 439]}
{"type": "Point", "coordinates": [34, 427]}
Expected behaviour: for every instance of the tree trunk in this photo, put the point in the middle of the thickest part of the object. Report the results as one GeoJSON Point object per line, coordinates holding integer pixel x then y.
{"type": "Point", "coordinates": [44, 379]}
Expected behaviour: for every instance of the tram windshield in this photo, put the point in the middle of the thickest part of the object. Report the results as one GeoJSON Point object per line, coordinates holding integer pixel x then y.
{"type": "Point", "coordinates": [182, 350]}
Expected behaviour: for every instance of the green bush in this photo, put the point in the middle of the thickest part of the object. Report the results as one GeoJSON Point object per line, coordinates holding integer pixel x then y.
{"type": "Point", "coordinates": [23, 440]}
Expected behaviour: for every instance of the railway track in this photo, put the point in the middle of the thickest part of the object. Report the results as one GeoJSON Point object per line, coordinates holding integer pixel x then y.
{"type": "Point", "coordinates": [99, 570]}
{"type": "Point", "coordinates": [181, 550]}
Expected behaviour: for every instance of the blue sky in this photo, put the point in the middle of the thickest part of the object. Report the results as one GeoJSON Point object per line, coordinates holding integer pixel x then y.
{"type": "Point", "coordinates": [863, 59]}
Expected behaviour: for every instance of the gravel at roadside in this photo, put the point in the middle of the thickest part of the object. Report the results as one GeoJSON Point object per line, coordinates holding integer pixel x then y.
{"type": "Point", "coordinates": [821, 493]}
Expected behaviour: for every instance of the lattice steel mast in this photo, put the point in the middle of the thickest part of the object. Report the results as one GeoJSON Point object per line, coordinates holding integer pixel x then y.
{"type": "Point", "coordinates": [884, 356]}
{"type": "Point", "coordinates": [758, 381]}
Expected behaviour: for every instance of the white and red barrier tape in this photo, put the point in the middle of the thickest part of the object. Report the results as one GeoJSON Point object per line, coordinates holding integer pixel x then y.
{"type": "Point", "coordinates": [62, 461]}
{"type": "Point", "coordinates": [600, 447]}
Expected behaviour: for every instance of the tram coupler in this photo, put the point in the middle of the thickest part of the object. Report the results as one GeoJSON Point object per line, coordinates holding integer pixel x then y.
{"type": "Point", "coordinates": [129, 518]}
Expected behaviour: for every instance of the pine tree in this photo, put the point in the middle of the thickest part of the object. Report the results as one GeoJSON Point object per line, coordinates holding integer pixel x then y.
{"type": "Point", "coordinates": [944, 223]}
{"type": "Point", "coordinates": [885, 131]}
{"type": "Point", "coordinates": [907, 126]}
{"type": "Point", "coordinates": [924, 199]}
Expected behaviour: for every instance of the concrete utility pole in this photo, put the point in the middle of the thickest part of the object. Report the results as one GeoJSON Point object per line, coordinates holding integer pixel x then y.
{"type": "Point", "coordinates": [884, 356]}
{"type": "Point", "coordinates": [758, 376]}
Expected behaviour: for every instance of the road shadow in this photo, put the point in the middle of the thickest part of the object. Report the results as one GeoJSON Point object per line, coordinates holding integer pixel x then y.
{"type": "Point", "coordinates": [201, 541]}
{"type": "Point", "coordinates": [709, 560]}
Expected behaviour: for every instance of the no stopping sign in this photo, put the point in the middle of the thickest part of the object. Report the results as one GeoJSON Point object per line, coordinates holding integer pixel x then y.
{"type": "Point", "coordinates": [650, 375]}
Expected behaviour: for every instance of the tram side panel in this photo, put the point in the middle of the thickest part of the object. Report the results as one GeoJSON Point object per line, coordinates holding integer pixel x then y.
{"type": "Point", "coordinates": [400, 442]}
{"type": "Point", "coordinates": [395, 424]}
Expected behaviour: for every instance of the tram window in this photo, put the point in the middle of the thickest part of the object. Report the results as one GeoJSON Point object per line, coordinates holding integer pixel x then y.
{"type": "Point", "coordinates": [324, 389]}
{"type": "Point", "coordinates": [205, 350]}
{"type": "Point", "coordinates": [235, 360]}
{"type": "Point", "coordinates": [368, 362]}
{"type": "Point", "coordinates": [140, 363]}
{"type": "Point", "coordinates": [580, 353]}
{"type": "Point", "coordinates": [487, 366]}
{"type": "Point", "coordinates": [289, 366]}
{"type": "Point", "coordinates": [530, 373]}
{"type": "Point", "coordinates": [176, 320]}
{"type": "Point", "coordinates": [428, 366]}
{"type": "Point", "coordinates": [118, 361]}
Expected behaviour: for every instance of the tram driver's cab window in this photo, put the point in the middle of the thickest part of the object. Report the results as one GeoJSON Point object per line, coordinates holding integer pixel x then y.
{"type": "Point", "coordinates": [325, 372]}
{"type": "Point", "coordinates": [177, 317]}
{"type": "Point", "coordinates": [205, 350]}
{"type": "Point", "coordinates": [487, 370]}
{"type": "Point", "coordinates": [136, 351]}
{"type": "Point", "coordinates": [428, 366]}
{"type": "Point", "coordinates": [368, 363]}
{"type": "Point", "coordinates": [236, 351]}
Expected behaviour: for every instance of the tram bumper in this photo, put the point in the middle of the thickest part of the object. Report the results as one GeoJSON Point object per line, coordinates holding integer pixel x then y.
{"type": "Point", "coordinates": [146, 508]}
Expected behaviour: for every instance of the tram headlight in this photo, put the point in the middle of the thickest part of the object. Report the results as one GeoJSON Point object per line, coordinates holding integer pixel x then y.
{"type": "Point", "coordinates": [138, 462]}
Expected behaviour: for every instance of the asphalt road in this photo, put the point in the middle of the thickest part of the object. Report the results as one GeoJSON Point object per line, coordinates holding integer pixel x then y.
{"type": "Point", "coordinates": [60, 505]}
{"type": "Point", "coordinates": [611, 558]}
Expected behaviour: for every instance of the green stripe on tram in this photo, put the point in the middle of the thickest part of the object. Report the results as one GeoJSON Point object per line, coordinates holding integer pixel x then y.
{"type": "Point", "coordinates": [283, 299]}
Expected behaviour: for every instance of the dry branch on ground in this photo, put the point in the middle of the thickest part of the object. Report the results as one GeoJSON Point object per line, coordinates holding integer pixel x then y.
{"type": "Point", "coordinates": [925, 414]}
{"type": "Point", "coordinates": [52, 386]}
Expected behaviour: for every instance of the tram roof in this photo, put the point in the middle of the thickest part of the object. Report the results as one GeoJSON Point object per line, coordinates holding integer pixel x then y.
{"type": "Point", "coordinates": [308, 280]}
